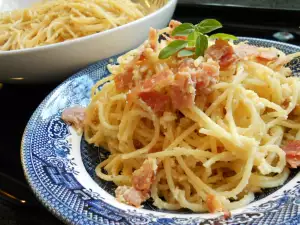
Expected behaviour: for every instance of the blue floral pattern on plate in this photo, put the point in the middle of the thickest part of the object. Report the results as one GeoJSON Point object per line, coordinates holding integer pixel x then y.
{"type": "Point", "coordinates": [63, 177]}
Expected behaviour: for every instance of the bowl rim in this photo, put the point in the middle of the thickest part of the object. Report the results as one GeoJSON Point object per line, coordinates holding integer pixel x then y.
{"type": "Point", "coordinates": [169, 4]}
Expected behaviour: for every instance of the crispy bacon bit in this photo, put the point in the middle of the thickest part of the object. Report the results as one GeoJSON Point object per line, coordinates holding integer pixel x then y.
{"type": "Point", "coordinates": [153, 38]}
{"type": "Point", "coordinates": [200, 85]}
{"type": "Point", "coordinates": [292, 150]}
{"type": "Point", "coordinates": [213, 204]}
{"type": "Point", "coordinates": [74, 116]}
{"type": "Point", "coordinates": [207, 76]}
{"type": "Point", "coordinates": [158, 81]}
{"type": "Point", "coordinates": [164, 89]}
{"type": "Point", "coordinates": [155, 83]}
{"type": "Point", "coordinates": [203, 75]}
{"type": "Point", "coordinates": [286, 103]}
{"type": "Point", "coordinates": [123, 81]}
{"type": "Point", "coordinates": [142, 178]}
{"type": "Point", "coordinates": [227, 60]}
{"type": "Point", "coordinates": [141, 59]}
{"type": "Point", "coordinates": [137, 144]}
{"type": "Point", "coordinates": [174, 23]}
{"type": "Point", "coordinates": [130, 196]}
{"type": "Point", "coordinates": [155, 149]}
{"type": "Point", "coordinates": [220, 149]}
{"type": "Point", "coordinates": [182, 92]}
{"type": "Point", "coordinates": [180, 38]}
{"type": "Point", "coordinates": [221, 52]}
{"type": "Point", "coordinates": [227, 214]}
{"type": "Point", "coordinates": [296, 110]}
{"type": "Point", "coordinates": [181, 98]}
{"type": "Point", "coordinates": [186, 65]}
{"type": "Point", "coordinates": [244, 50]}
{"type": "Point", "coordinates": [210, 69]}
{"type": "Point", "coordinates": [157, 101]}
{"type": "Point", "coordinates": [263, 55]}
{"type": "Point", "coordinates": [268, 54]}
{"type": "Point", "coordinates": [282, 60]}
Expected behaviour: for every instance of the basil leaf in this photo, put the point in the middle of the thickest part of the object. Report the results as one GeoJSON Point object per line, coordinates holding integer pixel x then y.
{"type": "Point", "coordinates": [223, 36]}
{"type": "Point", "coordinates": [183, 29]}
{"type": "Point", "coordinates": [192, 37]}
{"type": "Point", "coordinates": [208, 25]}
{"type": "Point", "coordinates": [184, 53]}
{"type": "Point", "coordinates": [201, 45]}
{"type": "Point", "coordinates": [172, 48]}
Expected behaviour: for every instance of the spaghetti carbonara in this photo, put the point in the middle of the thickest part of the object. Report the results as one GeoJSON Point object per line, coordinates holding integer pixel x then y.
{"type": "Point", "coordinates": [60, 20]}
{"type": "Point", "coordinates": [203, 134]}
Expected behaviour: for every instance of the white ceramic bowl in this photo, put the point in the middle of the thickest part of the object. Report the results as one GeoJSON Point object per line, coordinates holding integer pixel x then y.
{"type": "Point", "coordinates": [55, 62]}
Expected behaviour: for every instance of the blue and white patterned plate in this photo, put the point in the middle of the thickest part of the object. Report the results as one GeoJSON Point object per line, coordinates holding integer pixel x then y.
{"type": "Point", "coordinates": [59, 166]}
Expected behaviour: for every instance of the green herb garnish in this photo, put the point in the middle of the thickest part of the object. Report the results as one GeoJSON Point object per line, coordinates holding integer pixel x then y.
{"type": "Point", "coordinates": [201, 45]}
{"type": "Point", "coordinates": [183, 29]}
{"type": "Point", "coordinates": [172, 48]}
{"type": "Point", "coordinates": [208, 25]}
{"type": "Point", "coordinates": [223, 36]}
{"type": "Point", "coordinates": [197, 39]}
{"type": "Point", "coordinates": [184, 53]}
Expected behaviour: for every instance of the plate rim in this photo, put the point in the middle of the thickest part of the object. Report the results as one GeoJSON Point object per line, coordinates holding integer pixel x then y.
{"type": "Point", "coordinates": [29, 179]}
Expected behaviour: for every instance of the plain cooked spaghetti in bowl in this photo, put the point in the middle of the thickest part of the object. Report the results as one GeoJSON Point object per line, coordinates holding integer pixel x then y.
{"type": "Point", "coordinates": [64, 54]}
{"type": "Point", "coordinates": [56, 21]}
{"type": "Point", "coordinates": [203, 133]}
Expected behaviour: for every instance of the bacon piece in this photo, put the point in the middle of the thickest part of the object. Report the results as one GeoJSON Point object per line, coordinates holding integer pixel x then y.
{"type": "Point", "coordinates": [142, 180]}
{"type": "Point", "coordinates": [143, 177]}
{"type": "Point", "coordinates": [213, 204]}
{"type": "Point", "coordinates": [263, 55]}
{"type": "Point", "coordinates": [286, 103]}
{"type": "Point", "coordinates": [180, 38]}
{"type": "Point", "coordinates": [130, 196]}
{"type": "Point", "coordinates": [182, 92]}
{"type": "Point", "coordinates": [268, 54]}
{"type": "Point", "coordinates": [157, 101]}
{"type": "Point", "coordinates": [123, 81]}
{"type": "Point", "coordinates": [292, 150]}
{"type": "Point", "coordinates": [205, 77]}
{"type": "Point", "coordinates": [220, 149]}
{"type": "Point", "coordinates": [158, 81]}
{"type": "Point", "coordinates": [153, 84]}
{"type": "Point", "coordinates": [186, 65]}
{"type": "Point", "coordinates": [190, 77]}
{"type": "Point", "coordinates": [222, 52]}
{"type": "Point", "coordinates": [181, 87]}
{"type": "Point", "coordinates": [227, 60]}
{"type": "Point", "coordinates": [155, 149]}
{"type": "Point", "coordinates": [296, 110]}
{"type": "Point", "coordinates": [153, 38]}
{"type": "Point", "coordinates": [210, 69]}
{"type": "Point", "coordinates": [74, 116]}
{"type": "Point", "coordinates": [174, 23]}
{"type": "Point", "coordinates": [181, 98]}
{"type": "Point", "coordinates": [243, 50]}
{"type": "Point", "coordinates": [137, 144]}
{"type": "Point", "coordinates": [200, 85]}
{"type": "Point", "coordinates": [227, 214]}
{"type": "Point", "coordinates": [281, 61]}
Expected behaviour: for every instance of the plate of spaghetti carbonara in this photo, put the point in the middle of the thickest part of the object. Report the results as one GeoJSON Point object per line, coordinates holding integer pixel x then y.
{"type": "Point", "coordinates": [191, 127]}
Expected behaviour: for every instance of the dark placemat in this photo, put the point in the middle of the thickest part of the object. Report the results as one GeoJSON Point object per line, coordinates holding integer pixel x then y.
{"type": "Point", "coordinates": [11, 214]}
